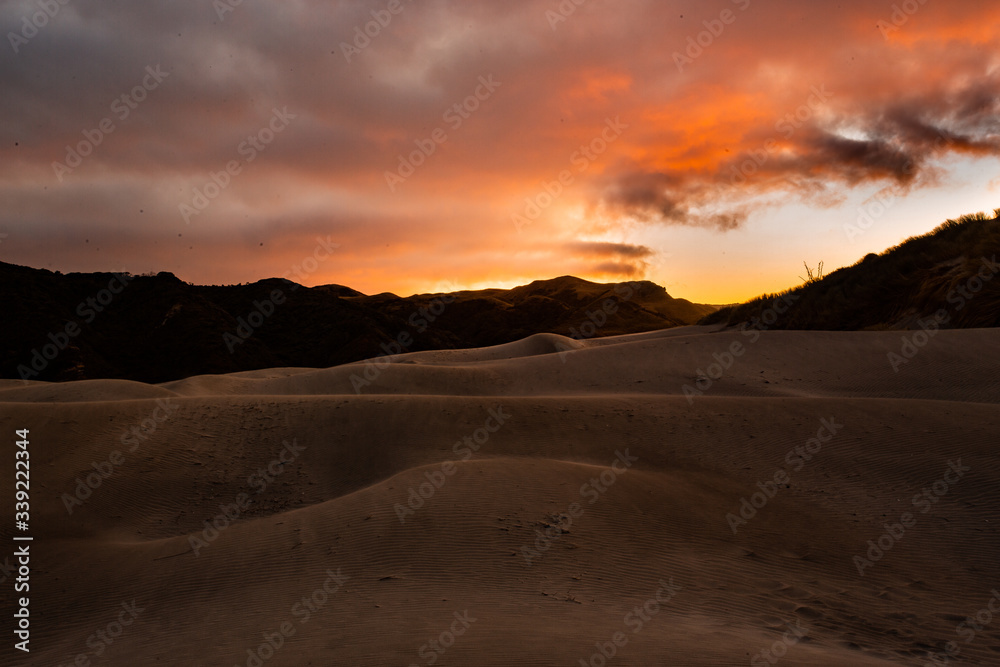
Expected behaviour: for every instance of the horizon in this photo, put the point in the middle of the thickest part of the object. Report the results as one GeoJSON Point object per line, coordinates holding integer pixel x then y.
{"type": "Point", "coordinates": [427, 145]}
{"type": "Point", "coordinates": [455, 288]}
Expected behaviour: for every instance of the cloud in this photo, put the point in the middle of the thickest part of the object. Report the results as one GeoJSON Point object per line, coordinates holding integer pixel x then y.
{"type": "Point", "coordinates": [615, 259]}
{"type": "Point", "coordinates": [740, 132]}
{"type": "Point", "coordinates": [599, 249]}
{"type": "Point", "coordinates": [845, 146]}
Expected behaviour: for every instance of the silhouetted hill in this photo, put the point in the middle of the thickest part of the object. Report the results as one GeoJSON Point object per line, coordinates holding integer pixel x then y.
{"type": "Point", "coordinates": [950, 273]}
{"type": "Point", "coordinates": [562, 305]}
{"type": "Point", "coordinates": [159, 328]}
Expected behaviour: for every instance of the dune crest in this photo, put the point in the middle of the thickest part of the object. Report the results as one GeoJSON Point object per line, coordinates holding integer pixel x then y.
{"type": "Point", "coordinates": [548, 497]}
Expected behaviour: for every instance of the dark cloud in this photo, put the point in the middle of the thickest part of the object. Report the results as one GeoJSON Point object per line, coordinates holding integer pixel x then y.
{"type": "Point", "coordinates": [622, 269]}
{"type": "Point", "coordinates": [896, 146]}
{"type": "Point", "coordinates": [619, 259]}
{"type": "Point", "coordinates": [898, 109]}
{"type": "Point", "coordinates": [593, 249]}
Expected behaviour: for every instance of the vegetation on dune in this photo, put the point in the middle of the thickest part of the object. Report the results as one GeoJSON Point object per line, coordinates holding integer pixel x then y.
{"type": "Point", "coordinates": [951, 269]}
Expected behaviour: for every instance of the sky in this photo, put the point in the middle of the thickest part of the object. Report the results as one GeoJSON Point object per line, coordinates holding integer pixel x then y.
{"type": "Point", "coordinates": [414, 146]}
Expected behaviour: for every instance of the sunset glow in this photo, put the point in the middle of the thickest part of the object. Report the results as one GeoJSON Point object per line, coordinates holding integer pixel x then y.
{"type": "Point", "coordinates": [709, 147]}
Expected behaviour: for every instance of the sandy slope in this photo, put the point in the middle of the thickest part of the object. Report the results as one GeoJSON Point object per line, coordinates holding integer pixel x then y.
{"type": "Point", "coordinates": [331, 513]}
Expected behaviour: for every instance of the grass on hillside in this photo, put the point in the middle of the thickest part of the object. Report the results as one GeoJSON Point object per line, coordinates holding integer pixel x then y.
{"type": "Point", "coordinates": [894, 289]}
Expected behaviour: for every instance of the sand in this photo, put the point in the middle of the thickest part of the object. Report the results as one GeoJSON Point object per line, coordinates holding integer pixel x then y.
{"type": "Point", "coordinates": [581, 505]}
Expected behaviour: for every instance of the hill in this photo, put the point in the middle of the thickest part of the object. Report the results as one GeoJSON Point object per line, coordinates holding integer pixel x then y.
{"type": "Point", "coordinates": [944, 279]}
{"type": "Point", "coordinates": [158, 328]}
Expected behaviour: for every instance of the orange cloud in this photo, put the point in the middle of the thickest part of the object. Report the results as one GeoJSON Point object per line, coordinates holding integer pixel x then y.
{"type": "Point", "coordinates": [738, 134]}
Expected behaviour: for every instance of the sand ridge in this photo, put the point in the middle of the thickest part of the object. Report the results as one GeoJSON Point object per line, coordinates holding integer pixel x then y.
{"type": "Point", "coordinates": [526, 525]}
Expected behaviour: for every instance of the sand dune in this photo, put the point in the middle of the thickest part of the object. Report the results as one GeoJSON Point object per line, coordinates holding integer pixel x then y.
{"type": "Point", "coordinates": [527, 504]}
